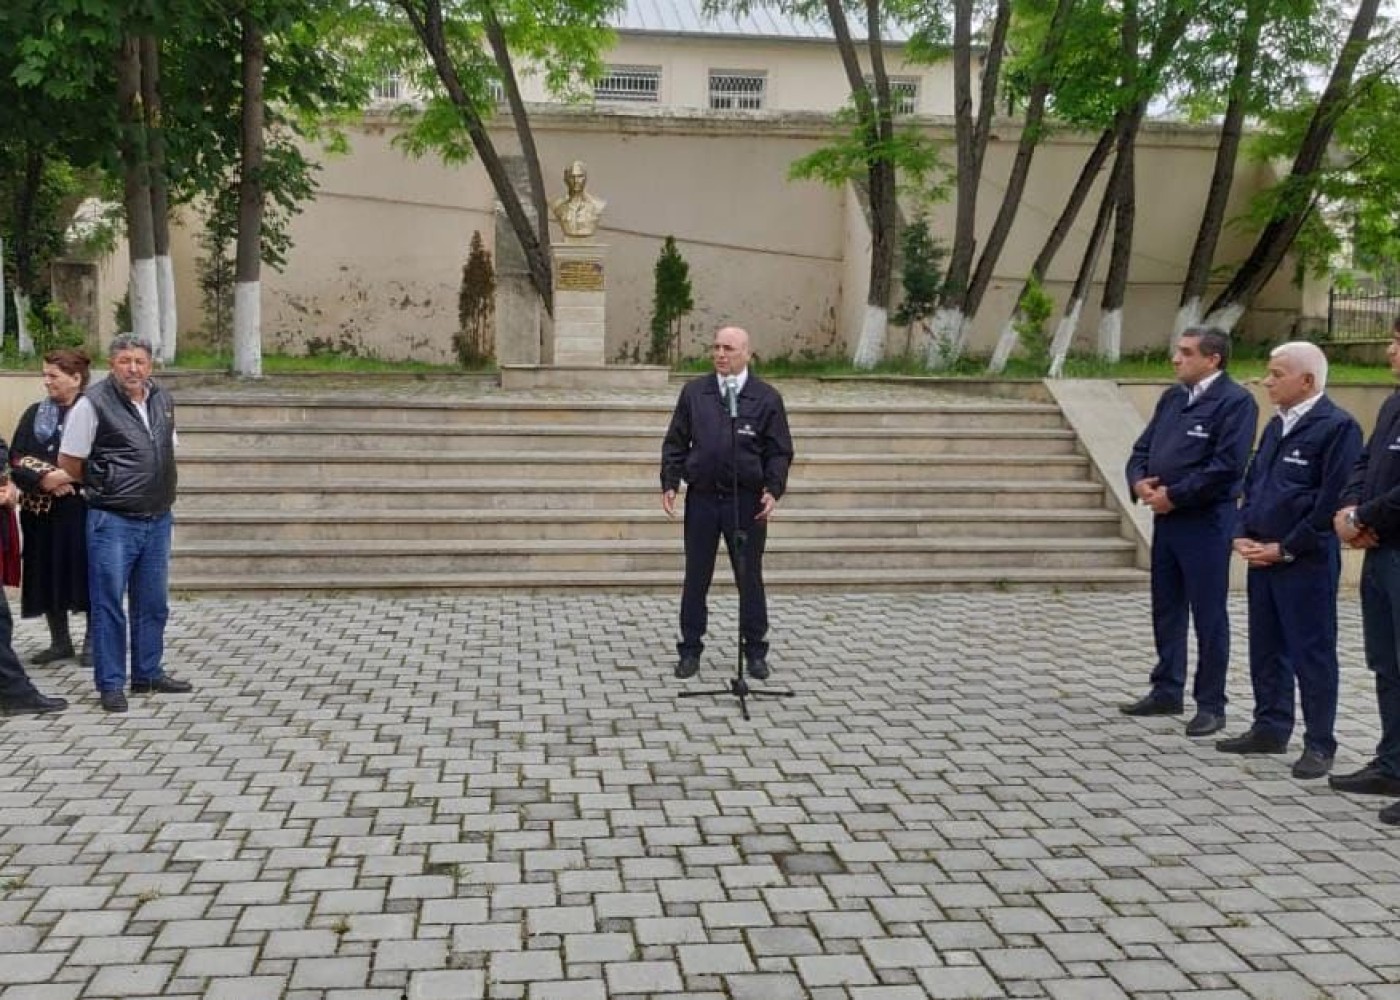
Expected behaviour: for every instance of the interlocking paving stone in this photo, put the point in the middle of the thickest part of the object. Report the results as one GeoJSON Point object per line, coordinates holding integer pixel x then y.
{"type": "Point", "coordinates": [452, 798]}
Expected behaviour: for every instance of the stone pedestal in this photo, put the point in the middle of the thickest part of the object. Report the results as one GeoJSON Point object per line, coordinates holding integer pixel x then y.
{"type": "Point", "coordinates": [579, 293]}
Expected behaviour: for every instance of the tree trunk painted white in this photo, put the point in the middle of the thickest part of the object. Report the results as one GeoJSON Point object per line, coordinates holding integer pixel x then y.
{"type": "Point", "coordinates": [1225, 319]}
{"type": "Point", "coordinates": [26, 343]}
{"type": "Point", "coordinates": [870, 348]}
{"type": "Point", "coordinates": [145, 301]}
{"type": "Point", "coordinates": [165, 292]}
{"type": "Point", "coordinates": [1064, 336]}
{"type": "Point", "coordinates": [1111, 336]}
{"type": "Point", "coordinates": [2, 293]}
{"type": "Point", "coordinates": [945, 342]}
{"type": "Point", "coordinates": [1006, 343]}
{"type": "Point", "coordinates": [247, 329]}
{"type": "Point", "coordinates": [1187, 316]}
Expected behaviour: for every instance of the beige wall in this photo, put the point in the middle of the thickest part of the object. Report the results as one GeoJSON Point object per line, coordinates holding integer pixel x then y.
{"type": "Point", "coordinates": [377, 256]}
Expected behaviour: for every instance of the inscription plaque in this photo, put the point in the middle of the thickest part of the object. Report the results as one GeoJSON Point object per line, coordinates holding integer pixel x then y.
{"type": "Point", "coordinates": [579, 275]}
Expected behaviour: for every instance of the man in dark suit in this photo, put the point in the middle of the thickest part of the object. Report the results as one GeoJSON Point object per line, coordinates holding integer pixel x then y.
{"type": "Point", "coordinates": [18, 695]}
{"type": "Point", "coordinates": [1187, 466]}
{"type": "Point", "coordinates": [1285, 535]}
{"type": "Point", "coordinates": [703, 446]}
{"type": "Point", "coordinates": [1369, 519]}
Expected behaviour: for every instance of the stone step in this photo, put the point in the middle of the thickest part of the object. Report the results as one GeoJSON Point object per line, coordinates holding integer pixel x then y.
{"type": "Point", "coordinates": [779, 582]}
{"type": "Point", "coordinates": [635, 555]}
{"type": "Point", "coordinates": [649, 523]}
{"type": "Point", "coordinates": [319, 439]}
{"type": "Point", "coordinates": [372, 492]}
{"type": "Point", "coordinates": [216, 408]}
{"type": "Point", "coordinates": [566, 469]}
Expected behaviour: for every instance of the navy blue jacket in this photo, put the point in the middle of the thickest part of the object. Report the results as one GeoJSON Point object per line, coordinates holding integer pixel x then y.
{"type": "Point", "coordinates": [700, 440]}
{"type": "Point", "coordinates": [1198, 452]}
{"type": "Point", "coordinates": [1291, 489]}
{"type": "Point", "coordinates": [1374, 486]}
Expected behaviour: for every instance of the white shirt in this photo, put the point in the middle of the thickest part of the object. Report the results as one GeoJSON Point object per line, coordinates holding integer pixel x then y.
{"type": "Point", "coordinates": [1193, 392]}
{"type": "Point", "coordinates": [80, 429]}
{"type": "Point", "coordinates": [741, 378]}
{"type": "Point", "coordinates": [1299, 410]}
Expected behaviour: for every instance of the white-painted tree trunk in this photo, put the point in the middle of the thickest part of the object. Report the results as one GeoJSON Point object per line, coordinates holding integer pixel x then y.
{"type": "Point", "coordinates": [1006, 343]}
{"type": "Point", "coordinates": [870, 348]}
{"type": "Point", "coordinates": [2, 293]}
{"type": "Point", "coordinates": [247, 329]}
{"type": "Point", "coordinates": [145, 301]}
{"type": "Point", "coordinates": [26, 342]}
{"type": "Point", "coordinates": [1111, 336]}
{"type": "Point", "coordinates": [1064, 336]}
{"type": "Point", "coordinates": [945, 342]}
{"type": "Point", "coordinates": [1187, 316]}
{"type": "Point", "coordinates": [165, 292]}
{"type": "Point", "coordinates": [1225, 319]}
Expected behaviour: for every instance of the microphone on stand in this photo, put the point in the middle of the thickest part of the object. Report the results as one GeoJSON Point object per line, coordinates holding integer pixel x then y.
{"type": "Point", "coordinates": [731, 387]}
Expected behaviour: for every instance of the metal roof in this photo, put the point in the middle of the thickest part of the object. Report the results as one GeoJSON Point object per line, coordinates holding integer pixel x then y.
{"type": "Point", "coordinates": [689, 17]}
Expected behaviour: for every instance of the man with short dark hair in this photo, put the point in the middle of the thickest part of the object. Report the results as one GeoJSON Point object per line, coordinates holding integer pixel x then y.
{"type": "Point", "coordinates": [713, 453]}
{"type": "Point", "coordinates": [119, 442]}
{"type": "Point", "coordinates": [1369, 519]}
{"type": "Point", "coordinates": [1187, 466]}
{"type": "Point", "coordinates": [1285, 535]}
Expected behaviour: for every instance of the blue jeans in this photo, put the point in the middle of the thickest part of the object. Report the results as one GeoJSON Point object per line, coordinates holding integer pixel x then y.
{"type": "Point", "coordinates": [128, 557]}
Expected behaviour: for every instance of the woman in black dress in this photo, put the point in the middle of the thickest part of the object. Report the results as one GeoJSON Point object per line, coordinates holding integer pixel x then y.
{"type": "Point", "coordinates": [53, 516]}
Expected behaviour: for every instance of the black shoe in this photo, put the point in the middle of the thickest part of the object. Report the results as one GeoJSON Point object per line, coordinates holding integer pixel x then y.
{"type": "Point", "coordinates": [113, 701]}
{"type": "Point", "coordinates": [1253, 741]}
{"type": "Point", "coordinates": [688, 666]}
{"type": "Point", "coordinates": [758, 668]}
{"type": "Point", "coordinates": [1311, 765]}
{"type": "Point", "coordinates": [1151, 705]}
{"type": "Point", "coordinates": [1205, 724]}
{"type": "Point", "coordinates": [1391, 814]}
{"type": "Point", "coordinates": [164, 684]}
{"type": "Point", "coordinates": [35, 704]}
{"type": "Point", "coordinates": [1370, 780]}
{"type": "Point", "coordinates": [51, 655]}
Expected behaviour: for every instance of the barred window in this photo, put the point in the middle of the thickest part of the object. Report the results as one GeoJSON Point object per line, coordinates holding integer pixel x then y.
{"type": "Point", "coordinates": [388, 88]}
{"type": "Point", "coordinates": [634, 84]}
{"type": "Point", "coordinates": [496, 89]}
{"type": "Point", "coordinates": [738, 90]}
{"type": "Point", "coordinates": [904, 93]}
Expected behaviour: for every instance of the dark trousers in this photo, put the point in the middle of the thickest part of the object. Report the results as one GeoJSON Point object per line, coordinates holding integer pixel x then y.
{"type": "Point", "coordinates": [1293, 633]}
{"type": "Point", "coordinates": [708, 517]}
{"type": "Point", "coordinates": [1191, 575]}
{"type": "Point", "coordinates": [14, 682]}
{"type": "Point", "coordinates": [1380, 627]}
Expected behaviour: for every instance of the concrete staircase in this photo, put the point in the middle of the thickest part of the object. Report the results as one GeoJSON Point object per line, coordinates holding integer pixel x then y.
{"type": "Point", "coordinates": [302, 494]}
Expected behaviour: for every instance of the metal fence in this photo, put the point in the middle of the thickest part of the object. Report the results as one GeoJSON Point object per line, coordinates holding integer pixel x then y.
{"type": "Point", "coordinates": [1367, 311]}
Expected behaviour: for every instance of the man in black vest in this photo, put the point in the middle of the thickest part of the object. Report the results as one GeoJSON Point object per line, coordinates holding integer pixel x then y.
{"type": "Point", "coordinates": [702, 446]}
{"type": "Point", "coordinates": [119, 442]}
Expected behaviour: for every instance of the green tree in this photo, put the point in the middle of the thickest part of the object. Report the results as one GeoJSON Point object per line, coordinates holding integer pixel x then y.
{"type": "Point", "coordinates": [476, 307]}
{"type": "Point", "coordinates": [921, 275]}
{"type": "Point", "coordinates": [671, 300]}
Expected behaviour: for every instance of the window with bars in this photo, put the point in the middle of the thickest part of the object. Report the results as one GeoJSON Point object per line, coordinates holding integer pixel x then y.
{"type": "Point", "coordinates": [635, 84]}
{"type": "Point", "coordinates": [904, 93]}
{"type": "Point", "coordinates": [388, 88]}
{"type": "Point", "coordinates": [738, 90]}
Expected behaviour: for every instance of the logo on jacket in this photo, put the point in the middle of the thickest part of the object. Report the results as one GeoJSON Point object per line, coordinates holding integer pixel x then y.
{"type": "Point", "coordinates": [1198, 431]}
{"type": "Point", "coordinates": [1295, 457]}
{"type": "Point", "coordinates": [1394, 445]}
{"type": "Point", "coordinates": [747, 430]}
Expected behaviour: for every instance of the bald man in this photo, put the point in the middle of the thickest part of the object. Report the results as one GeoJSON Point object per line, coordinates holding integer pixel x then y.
{"type": "Point", "coordinates": [700, 448]}
{"type": "Point", "coordinates": [1285, 535]}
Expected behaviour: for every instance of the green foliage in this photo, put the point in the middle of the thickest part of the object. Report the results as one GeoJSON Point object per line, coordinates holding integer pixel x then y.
{"type": "Point", "coordinates": [921, 273]}
{"type": "Point", "coordinates": [1032, 315]}
{"type": "Point", "coordinates": [476, 307]}
{"type": "Point", "coordinates": [51, 327]}
{"type": "Point", "coordinates": [918, 160]}
{"type": "Point", "coordinates": [671, 300]}
{"type": "Point", "coordinates": [214, 267]}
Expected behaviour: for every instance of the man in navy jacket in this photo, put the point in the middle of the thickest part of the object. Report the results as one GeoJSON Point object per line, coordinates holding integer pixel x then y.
{"type": "Point", "coordinates": [1187, 466]}
{"type": "Point", "coordinates": [1285, 535]}
{"type": "Point", "coordinates": [1369, 519]}
{"type": "Point", "coordinates": [732, 466]}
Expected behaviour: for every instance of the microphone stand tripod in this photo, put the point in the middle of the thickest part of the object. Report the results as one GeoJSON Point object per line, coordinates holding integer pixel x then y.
{"type": "Point", "coordinates": [739, 685]}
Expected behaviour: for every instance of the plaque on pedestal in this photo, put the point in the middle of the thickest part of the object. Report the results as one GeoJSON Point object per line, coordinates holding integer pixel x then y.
{"type": "Point", "coordinates": [580, 288]}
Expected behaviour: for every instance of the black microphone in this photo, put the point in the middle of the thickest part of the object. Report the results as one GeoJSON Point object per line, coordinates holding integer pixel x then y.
{"type": "Point", "coordinates": [731, 385]}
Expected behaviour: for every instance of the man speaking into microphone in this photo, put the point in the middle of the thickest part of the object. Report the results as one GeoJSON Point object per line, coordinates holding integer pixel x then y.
{"type": "Point", "coordinates": [729, 442]}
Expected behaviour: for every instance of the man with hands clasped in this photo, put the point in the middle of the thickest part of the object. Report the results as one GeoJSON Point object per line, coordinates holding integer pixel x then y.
{"type": "Point", "coordinates": [1285, 536]}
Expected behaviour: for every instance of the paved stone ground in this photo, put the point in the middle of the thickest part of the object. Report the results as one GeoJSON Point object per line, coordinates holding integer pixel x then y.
{"type": "Point", "coordinates": [450, 799]}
